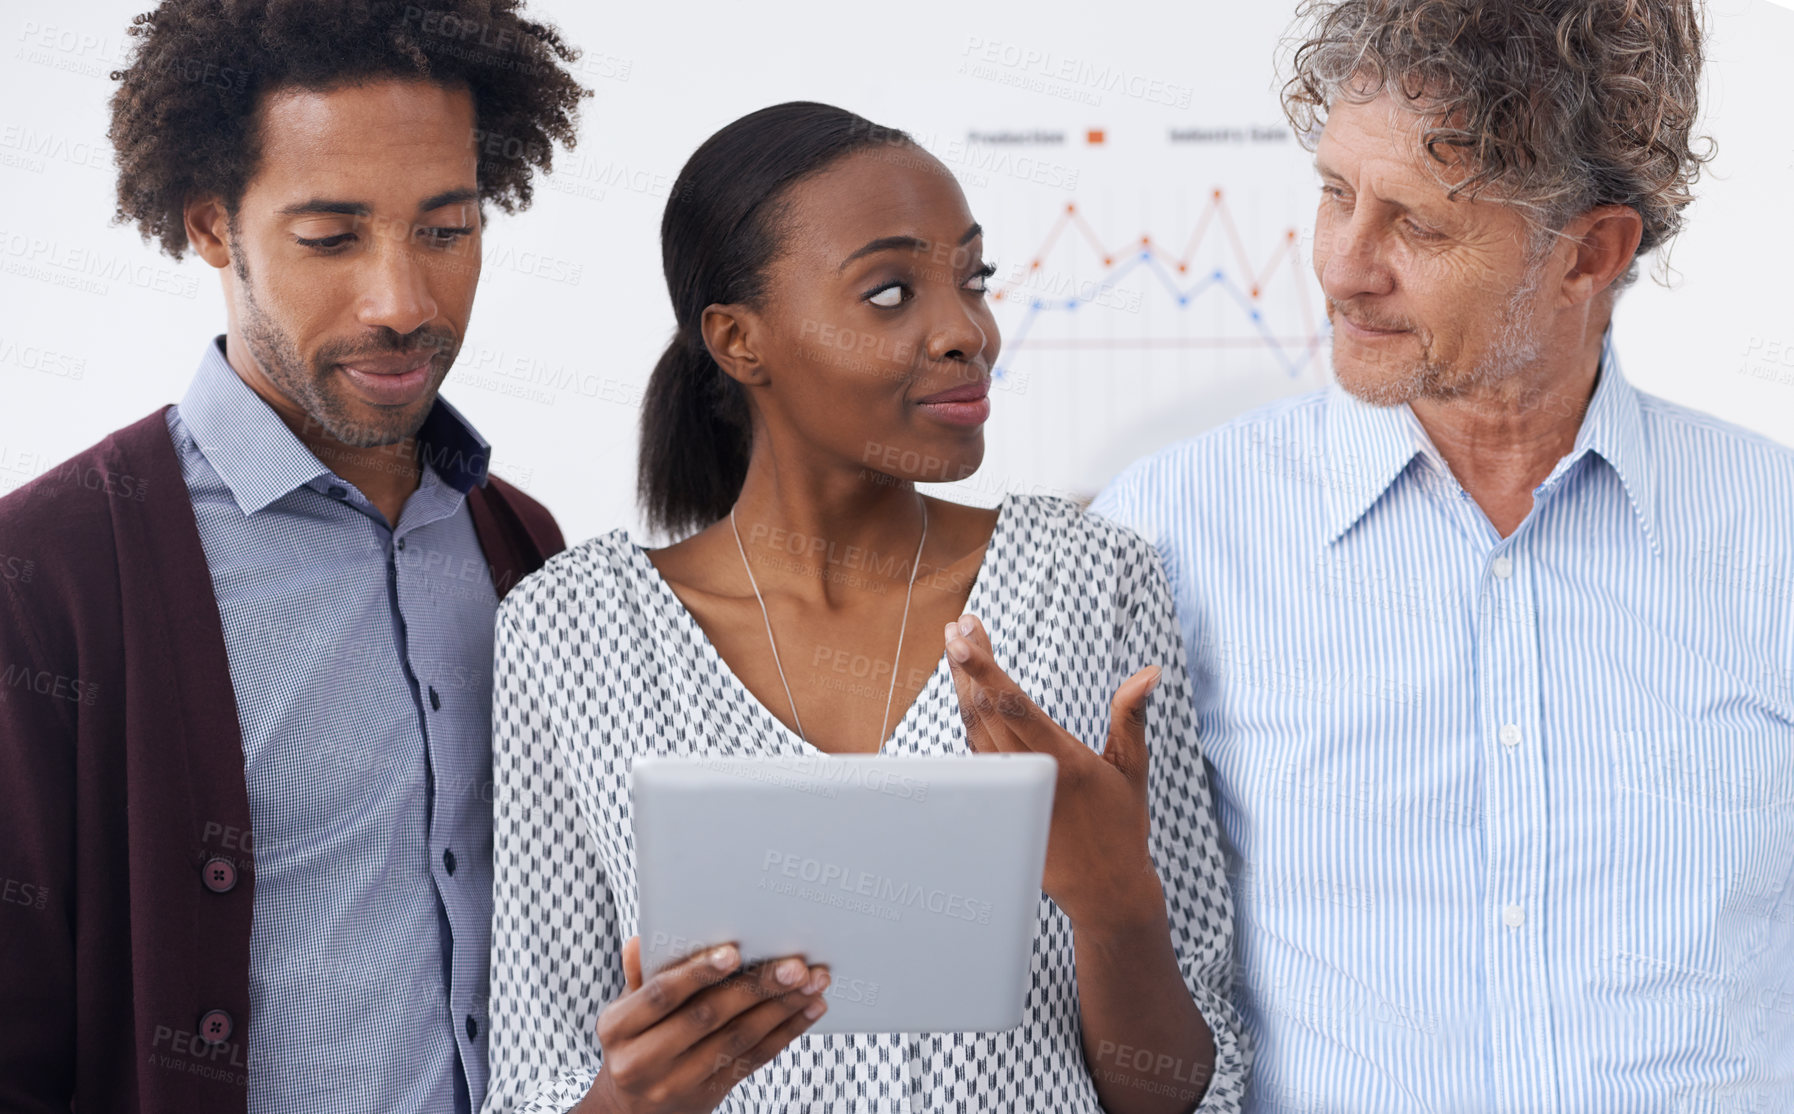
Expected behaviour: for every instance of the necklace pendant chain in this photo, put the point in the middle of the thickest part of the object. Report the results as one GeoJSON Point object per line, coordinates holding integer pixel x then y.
{"type": "Point", "coordinates": [902, 628]}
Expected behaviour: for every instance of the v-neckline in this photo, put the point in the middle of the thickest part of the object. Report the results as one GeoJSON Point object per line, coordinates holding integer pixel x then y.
{"type": "Point", "coordinates": [670, 602]}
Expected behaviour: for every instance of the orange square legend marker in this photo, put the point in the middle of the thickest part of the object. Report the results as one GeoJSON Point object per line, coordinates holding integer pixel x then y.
{"type": "Point", "coordinates": [1094, 136]}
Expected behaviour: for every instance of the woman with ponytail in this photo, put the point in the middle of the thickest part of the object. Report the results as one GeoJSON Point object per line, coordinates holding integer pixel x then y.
{"type": "Point", "coordinates": [833, 350]}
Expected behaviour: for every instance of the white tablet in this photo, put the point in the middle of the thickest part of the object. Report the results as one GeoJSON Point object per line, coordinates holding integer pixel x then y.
{"type": "Point", "coordinates": [916, 880]}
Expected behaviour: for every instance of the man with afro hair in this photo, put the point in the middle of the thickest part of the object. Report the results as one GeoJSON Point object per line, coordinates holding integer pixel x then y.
{"type": "Point", "coordinates": [245, 717]}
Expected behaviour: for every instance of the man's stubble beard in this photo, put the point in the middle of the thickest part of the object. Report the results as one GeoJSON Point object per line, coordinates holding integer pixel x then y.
{"type": "Point", "coordinates": [1515, 345]}
{"type": "Point", "coordinates": [282, 365]}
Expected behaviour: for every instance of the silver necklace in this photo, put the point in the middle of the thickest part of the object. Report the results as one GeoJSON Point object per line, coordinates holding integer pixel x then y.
{"type": "Point", "coordinates": [773, 642]}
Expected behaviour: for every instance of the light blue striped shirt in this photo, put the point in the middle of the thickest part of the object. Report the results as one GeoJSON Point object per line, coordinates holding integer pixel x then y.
{"type": "Point", "coordinates": [361, 658]}
{"type": "Point", "coordinates": [1510, 822]}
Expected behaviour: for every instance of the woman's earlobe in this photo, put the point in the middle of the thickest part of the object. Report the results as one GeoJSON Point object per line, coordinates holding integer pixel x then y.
{"type": "Point", "coordinates": [727, 331]}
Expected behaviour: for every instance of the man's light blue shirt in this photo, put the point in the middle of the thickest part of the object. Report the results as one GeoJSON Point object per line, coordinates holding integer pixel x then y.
{"type": "Point", "coordinates": [1510, 821]}
{"type": "Point", "coordinates": [361, 657]}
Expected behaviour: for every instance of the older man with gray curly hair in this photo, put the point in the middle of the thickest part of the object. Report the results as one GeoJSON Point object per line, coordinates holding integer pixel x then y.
{"type": "Point", "coordinates": [1499, 712]}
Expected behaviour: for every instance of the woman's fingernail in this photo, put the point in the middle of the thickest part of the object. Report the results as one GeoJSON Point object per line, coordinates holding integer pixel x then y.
{"type": "Point", "coordinates": [959, 650]}
{"type": "Point", "coordinates": [790, 972]}
{"type": "Point", "coordinates": [818, 980]}
{"type": "Point", "coordinates": [816, 1009]}
{"type": "Point", "coordinates": [723, 958]}
{"type": "Point", "coordinates": [952, 631]}
{"type": "Point", "coordinates": [1158, 674]}
{"type": "Point", "coordinates": [967, 624]}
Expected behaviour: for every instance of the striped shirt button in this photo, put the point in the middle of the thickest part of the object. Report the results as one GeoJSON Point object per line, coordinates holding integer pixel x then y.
{"type": "Point", "coordinates": [1513, 916]}
{"type": "Point", "coordinates": [1502, 567]}
{"type": "Point", "coordinates": [1510, 734]}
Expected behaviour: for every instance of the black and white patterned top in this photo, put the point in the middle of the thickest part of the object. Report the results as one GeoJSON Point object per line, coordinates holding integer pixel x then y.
{"type": "Point", "coordinates": [598, 661]}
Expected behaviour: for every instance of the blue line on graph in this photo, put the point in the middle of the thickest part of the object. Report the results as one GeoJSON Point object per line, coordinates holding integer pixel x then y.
{"type": "Point", "coordinates": [1292, 363]}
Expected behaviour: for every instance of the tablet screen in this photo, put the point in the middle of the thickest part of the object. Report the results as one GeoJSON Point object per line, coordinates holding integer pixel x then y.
{"type": "Point", "coordinates": [916, 879]}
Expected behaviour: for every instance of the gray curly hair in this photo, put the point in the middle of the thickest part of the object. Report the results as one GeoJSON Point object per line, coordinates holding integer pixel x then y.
{"type": "Point", "coordinates": [1553, 106]}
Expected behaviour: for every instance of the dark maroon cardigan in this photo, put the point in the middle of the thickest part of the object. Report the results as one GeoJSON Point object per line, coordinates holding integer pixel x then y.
{"type": "Point", "coordinates": [121, 773]}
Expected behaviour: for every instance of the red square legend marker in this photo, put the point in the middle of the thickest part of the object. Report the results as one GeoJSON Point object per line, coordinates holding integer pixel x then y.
{"type": "Point", "coordinates": [1094, 136]}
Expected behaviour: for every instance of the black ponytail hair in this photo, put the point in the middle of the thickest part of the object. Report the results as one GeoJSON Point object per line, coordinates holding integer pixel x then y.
{"type": "Point", "coordinates": [719, 233]}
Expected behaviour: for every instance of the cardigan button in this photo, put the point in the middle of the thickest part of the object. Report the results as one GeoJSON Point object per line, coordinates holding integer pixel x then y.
{"type": "Point", "coordinates": [215, 1027]}
{"type": "Point", "coordinates": [219, 874]}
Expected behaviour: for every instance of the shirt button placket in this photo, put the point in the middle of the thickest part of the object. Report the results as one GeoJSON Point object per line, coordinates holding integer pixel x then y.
{"type": "Point", "coordinates": [1516, 826]}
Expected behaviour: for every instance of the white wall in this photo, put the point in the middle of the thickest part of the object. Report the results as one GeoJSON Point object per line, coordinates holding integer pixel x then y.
{"type": "Point", "coordinates": [96, 329]}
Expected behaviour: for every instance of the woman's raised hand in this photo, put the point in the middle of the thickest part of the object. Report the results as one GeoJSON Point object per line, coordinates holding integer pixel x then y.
{"type": "Point", "coordinates": [1098, 868]}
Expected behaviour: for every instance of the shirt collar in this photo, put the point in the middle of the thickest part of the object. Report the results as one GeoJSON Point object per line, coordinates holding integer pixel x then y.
{"type": "Point", "coordinates": [448, 443]}
{"type": "Point", "coordinates": [1366, 448]}
{"type": "Point", "coordinates": [1369, 447]}
{"type": "Point", "coordinates": [261, 460]}
{"type": "Point", "coordinates": [1613, 430]}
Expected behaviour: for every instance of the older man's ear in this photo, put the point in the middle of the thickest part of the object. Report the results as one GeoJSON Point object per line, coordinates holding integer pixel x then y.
{"type": "Point", "coordinates": [1603, 243]}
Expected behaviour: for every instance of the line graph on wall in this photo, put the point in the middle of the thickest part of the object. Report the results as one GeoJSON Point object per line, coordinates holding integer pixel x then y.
{"type": "Point", "coordinates": [1294, 339]}
{"type": "Point", "coordinates": [1155, 302]}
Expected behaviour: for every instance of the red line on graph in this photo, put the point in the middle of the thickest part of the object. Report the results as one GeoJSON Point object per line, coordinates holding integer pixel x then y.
{"type": "Point", "coordinates": [1233, 234]}
{"type": "Point", "coordinates": [1053, 236]}
{"type": "Point", "coordinates": [1215, 209]}
{"type": "Point", "coordinates": [1295, 264]}
{"type": "Point", "coordinates": [1262, 277]}
{"type": "Point", "coordinates": [1202, 223]}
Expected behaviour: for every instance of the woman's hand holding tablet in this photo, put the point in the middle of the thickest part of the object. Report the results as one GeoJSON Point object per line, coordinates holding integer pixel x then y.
{"type": "Point", "coordinates": [679, 1040]}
